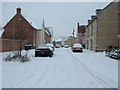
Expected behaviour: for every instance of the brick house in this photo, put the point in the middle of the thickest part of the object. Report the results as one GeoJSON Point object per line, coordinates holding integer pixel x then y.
{"type": "Point", "coordinates": [19, 28]}
{"type": "Point", "coordinates": [80, 33]}
{"type": "Point", "coordinates": [20, 31]}
{"type": "Point", "coordinates": [17, 33]}
{"type": "Point", "coordinates": [102, 31]}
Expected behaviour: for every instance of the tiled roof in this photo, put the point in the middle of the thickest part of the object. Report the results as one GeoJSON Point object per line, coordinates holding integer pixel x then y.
{"type": "Point", "coordinates": [31, 22]}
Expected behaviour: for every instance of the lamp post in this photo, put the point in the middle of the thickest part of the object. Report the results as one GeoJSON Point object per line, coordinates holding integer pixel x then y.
{"type": "Point", "coordinates": [18, 19]}
{"type": "Point", "coordinates": [20, 36]}
{"type": "Point", "coordinates": [118, 31]}
{"type": "Point", "coordinates": [13, 37]}
{"type": "Point", "coordinates": [118, 42]}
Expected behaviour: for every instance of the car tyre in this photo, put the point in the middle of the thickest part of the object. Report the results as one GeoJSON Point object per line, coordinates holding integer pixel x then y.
{"type": "Point", "coordinates": [36, 55]}
{"type": "Point", "coordinates": [50, 56]}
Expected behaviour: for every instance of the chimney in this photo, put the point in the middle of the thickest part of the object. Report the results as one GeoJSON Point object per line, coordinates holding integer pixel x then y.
{"type": "Point", "coordinates": [78, 27]}
{"type": "Point", "coordinates": [78, 24]}
{"type": "Point", "coordinates": [89, 21]}
{"type": "Point", "coordinates": [98, 11]}
{"type": "Point", "coordinates": [18, 10]}
{"type": "Point", "coordinates": [93, 17]}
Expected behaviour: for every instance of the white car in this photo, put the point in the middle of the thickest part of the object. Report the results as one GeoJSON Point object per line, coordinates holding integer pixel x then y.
{"type": "Point", "coordinates": [77, 48]}
{"type": "Point", "coordinates": [57, 46]}
{"type": "Point", "coordinates": [51, 45]}
{"type": "Point", "coordinates": [66, 46]}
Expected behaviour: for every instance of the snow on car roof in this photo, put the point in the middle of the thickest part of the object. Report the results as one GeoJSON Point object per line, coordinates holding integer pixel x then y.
{"type": "Point", "coordinates": [49, 44]}
{"type": "Point", "coordinates": [59, 40]}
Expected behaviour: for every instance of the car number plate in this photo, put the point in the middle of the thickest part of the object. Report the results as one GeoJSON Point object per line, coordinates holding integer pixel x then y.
{"type": "Point", "coordinates": [41, 52]}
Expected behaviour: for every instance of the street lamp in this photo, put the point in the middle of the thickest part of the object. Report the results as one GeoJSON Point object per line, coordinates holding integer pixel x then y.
{"type": "Point", "coordinates": [18, 19]}
{"type": "Point", "coordinates": [20, 36]}
{"type": "Point", "coordinates": [118, 32]}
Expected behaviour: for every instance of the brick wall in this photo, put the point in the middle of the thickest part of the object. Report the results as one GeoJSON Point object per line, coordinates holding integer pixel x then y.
{"type": "Point", "coordinates": [10, 45]}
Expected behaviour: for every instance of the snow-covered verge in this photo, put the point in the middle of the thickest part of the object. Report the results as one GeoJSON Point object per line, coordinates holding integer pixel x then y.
{"type": "Point", "coordinates": [64, 70]}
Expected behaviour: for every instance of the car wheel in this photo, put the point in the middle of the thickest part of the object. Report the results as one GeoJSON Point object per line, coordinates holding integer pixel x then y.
{"type": "Point", "coordinates": [36, 55]}
{"type": "Point", "coordinates": [50, 56]}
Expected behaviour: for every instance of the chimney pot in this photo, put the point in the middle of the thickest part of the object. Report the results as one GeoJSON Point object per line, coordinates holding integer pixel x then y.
{"type": "Point", "coordinates": [18, 10]}
{"type": "Point", "coordinates": [89, 21]}
{"type": "Point", "coordinates": [98, 11]}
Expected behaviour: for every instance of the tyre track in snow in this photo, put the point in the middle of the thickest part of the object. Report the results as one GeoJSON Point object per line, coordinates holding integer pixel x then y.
{"type": "Point", "coordinates": [30, 81]}
{"type": "Point", "coordinates": [65, 73]}
{"type": "Point", "coordinates": [98, 79]}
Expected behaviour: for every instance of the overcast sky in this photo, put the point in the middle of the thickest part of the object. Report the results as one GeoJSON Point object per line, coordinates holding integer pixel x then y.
{"type": "Point", "coordinates": [62, 16]}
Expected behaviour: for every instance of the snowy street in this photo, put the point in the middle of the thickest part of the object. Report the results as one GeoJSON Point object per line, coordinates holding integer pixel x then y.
{"type": "Point", "coordinates": [64, 70]}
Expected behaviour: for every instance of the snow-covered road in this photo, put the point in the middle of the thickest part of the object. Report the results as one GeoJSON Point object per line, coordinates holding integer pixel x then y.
{"type": "Point", "coordinates": [64, 70]}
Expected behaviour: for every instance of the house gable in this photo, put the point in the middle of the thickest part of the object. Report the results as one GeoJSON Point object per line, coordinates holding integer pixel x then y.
{"type": "Point", "coordinates": [19, 28]}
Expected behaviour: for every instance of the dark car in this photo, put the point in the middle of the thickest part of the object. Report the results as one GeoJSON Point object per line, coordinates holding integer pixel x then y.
{"type": "Point", "coordinates": [44, 50]}
{"type": "Point", "coordinates": [77, 48]}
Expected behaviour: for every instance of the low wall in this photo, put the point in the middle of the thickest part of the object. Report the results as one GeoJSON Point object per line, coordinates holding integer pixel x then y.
{"type": "Point", "coordinates": [11, 45]}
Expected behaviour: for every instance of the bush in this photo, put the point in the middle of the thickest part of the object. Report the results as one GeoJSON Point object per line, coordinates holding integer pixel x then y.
{"type": "Point", "coordinates": [8, 58]}
{"type": "Point", "coordinates": [24, 58]}
{"type": "Point", "coordinates": [17, 57]}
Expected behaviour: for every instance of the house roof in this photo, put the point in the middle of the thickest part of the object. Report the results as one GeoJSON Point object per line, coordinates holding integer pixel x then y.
{"type": "Point", "coordinates": [26, 18]}
{"type": "Point", "coordinates": [31, 22]}
{"type": "Point", "coordinates": [1, 31]}
{"type": "Point", "coordinates": [81, 29]}
{"type": "Point", "coordinates": [91, 21]}
{"type": "Point", "coordinates": [48, 30]}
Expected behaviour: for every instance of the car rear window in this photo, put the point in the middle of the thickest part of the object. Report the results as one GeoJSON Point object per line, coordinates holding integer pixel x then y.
{"type": "Point", "coordinates": [77, 45]}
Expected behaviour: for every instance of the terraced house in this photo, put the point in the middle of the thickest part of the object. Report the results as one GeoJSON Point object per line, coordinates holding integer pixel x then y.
{"type": "Point", "coordinates": [103, 29]}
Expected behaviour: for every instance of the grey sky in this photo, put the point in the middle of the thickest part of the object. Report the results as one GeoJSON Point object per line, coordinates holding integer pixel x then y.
{"type": "Point", "coordinates": [62, 16]}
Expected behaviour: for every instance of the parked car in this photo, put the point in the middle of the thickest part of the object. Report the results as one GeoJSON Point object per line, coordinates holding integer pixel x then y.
{"type": "Point", "coordinates": [110, 53]}
{"type": "Point", "coordinates": [51, 45]}
{"type": "Point", "coordinates": [44, 50]}
{"type": "Point", "coordinates": [57, 46]}
{"type": "Point", "coordinates": [66, 46]}
{"type": "Point", "coordinates": [77, 48]}
{"type": "Point", "coordinates": [28, 47]}
{"type": "Point", "coordinates": [115, 54]}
